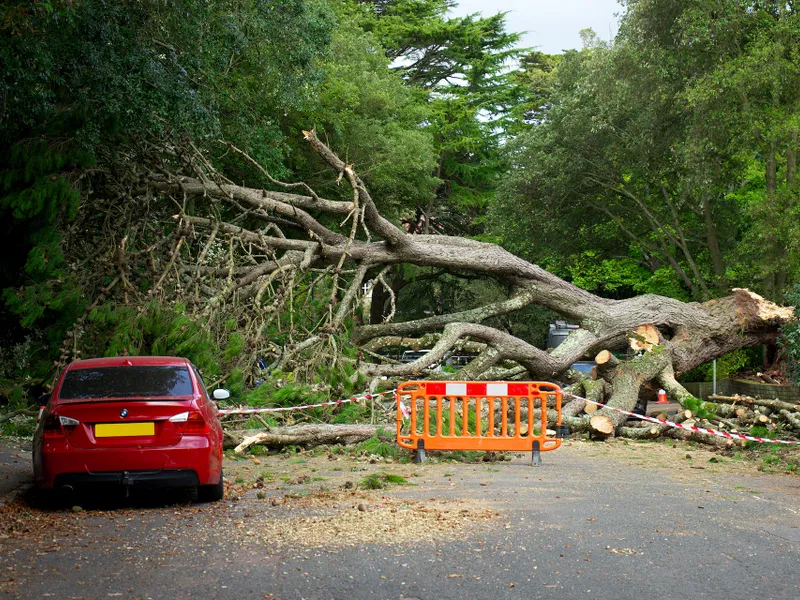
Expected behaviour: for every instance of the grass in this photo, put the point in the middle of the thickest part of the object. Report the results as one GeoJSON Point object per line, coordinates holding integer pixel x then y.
{"type": "Point", "coordinates": [375, 445]}
{"type": "Point", "coordinates": [396, 479]}
{"type": "Point", "coordinates": [378, 481]}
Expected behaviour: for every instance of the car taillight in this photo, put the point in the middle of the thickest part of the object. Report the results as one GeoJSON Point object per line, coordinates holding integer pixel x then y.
{"type": "Point", "coordinates": [56, 426]}
{"type": "Point", "coordinates": [190, 423]}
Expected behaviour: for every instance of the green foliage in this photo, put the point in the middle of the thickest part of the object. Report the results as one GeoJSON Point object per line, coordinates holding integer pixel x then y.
{"type": "Point", "coordinates": [114, 330]}
{"type": "Point", "coordinates": [372, 482]}
{"type": "Point", "coordinates": [461, 66]}
{"type": "Point", "coordinates": [375, 445]}
{"type": "Point", "coordinates": [633, 154]}
{"type": "Point", "coordinates": [762, 432]}
{"type": "Point", "coordinates": [615, 277]}
{"type": "Point", "coordinates": [727, 365]}
{"type": "Point", "coordinates": [82, 81]}
{"type": "Point", "coordinates": [790, 339]}
{"type": "Point", "coordinates": [378, 481]}
{"type": "Point", "coordinates": [336, 382]}
{"type": "Point", "coordinates": [22, 372]}
{"type": "Point", "coordinates": [699, 408]}
{"type": "Point", "coordinates": [374, 120]}
{"type": "Point", "coordinates": [134, 67]}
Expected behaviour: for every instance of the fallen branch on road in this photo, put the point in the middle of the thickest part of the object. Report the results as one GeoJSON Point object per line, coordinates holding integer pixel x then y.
{"type": "Point", "coordinates": [305, 435]}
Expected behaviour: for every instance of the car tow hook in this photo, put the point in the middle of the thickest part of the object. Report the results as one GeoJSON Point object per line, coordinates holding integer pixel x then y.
{"type": "Point", "coordinates": [126, 483]}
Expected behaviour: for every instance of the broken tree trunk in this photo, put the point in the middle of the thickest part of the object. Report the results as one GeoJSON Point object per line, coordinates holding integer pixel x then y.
{"type": "Point", "coordinates": [750, 401]}
{"type": "Point", "coordinates": [307, 436]}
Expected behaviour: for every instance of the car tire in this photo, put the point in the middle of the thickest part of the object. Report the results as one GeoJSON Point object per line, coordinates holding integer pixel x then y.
{"type": "Point", "coordinates": [212, 493]}
{"type": "Point", "coordinates": [35, 498]}
{"type": "Point", "coordinates": [43, 499]}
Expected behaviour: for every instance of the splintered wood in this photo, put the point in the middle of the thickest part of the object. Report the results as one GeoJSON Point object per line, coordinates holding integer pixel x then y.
{"type": "Point", "coordinates": [643, 338]}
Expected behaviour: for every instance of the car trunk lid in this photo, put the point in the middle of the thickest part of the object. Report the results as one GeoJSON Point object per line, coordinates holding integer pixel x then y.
{"type": "Point", "coordinates": [124, 422]}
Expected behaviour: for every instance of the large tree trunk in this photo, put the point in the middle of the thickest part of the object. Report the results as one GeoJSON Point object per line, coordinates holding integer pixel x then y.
{"type": "Point", "coordinates": [302, 435]}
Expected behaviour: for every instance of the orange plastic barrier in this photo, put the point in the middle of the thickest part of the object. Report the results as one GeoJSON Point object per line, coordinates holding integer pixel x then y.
{"type": "Point", "coordinates": [478, 415]}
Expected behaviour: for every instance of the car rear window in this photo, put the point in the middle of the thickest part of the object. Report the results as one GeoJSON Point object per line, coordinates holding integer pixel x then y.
{"type": "Point", "coordinates": [126, 382]}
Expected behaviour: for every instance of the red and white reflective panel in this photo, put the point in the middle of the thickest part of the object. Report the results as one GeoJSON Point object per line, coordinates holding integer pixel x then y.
{"type": "Point", "coordinates": [476, 389]}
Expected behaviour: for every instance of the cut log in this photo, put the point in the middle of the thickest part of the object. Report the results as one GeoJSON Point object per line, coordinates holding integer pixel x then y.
{"type": "Point", "coordinates": [768, 379]}
{"type": "Point", "coordinates": [750, 401]}
{"type": "Point", "coordinates": [642, 433]}
{"type": "Point", "coordinates": [590, 408]}
{"type": "Point", "coordinates": [308, 435]}
{"type": "Point", "coordinates": [606, 366]}
{"type": "Point", "coordinates": [705, 438]}
{"type": "Point", "coordinates": [792, 417]}
{"type": "Point", "coordinates": [602, 424]}
{"type": "Point", "coordinates": [604, 357]}
{"type": "Point", "coordinates": [644, 338]}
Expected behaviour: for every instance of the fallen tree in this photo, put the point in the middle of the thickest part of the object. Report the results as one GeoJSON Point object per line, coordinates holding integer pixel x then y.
{"type": "Point", "coordinates": [275, 241]}
{"type": "Point", "coordinates": [302, 435]}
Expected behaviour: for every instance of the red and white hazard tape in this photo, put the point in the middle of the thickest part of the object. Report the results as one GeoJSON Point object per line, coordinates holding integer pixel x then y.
{"type": "Point", "coordinates": [249, 411]}
{"type": "Point", "coordinates": [476, 389]}
{"type": "Point", "coordinates": [722, 434]}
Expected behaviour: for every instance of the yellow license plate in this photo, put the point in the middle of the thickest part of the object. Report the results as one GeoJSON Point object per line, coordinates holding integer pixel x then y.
{"type": "Point", "coordinates": [124, 429]}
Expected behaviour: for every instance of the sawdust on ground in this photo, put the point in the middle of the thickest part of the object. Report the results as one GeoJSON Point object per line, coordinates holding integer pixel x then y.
{"type": "Point", "coordinates": [342, 519]}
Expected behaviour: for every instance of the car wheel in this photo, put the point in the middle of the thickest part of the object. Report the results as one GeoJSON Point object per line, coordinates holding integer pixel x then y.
{"type": "Point", "coordinates": [213, 493]}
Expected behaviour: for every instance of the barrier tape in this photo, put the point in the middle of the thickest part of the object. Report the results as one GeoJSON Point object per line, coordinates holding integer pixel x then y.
{"type": "Point", "coordinates": [722, 434]}
{"type": "Point", "coordinates": [249, 411]}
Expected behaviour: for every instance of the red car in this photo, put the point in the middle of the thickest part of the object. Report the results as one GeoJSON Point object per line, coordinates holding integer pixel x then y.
{"type": "Point", "coordinates": [142, 421]}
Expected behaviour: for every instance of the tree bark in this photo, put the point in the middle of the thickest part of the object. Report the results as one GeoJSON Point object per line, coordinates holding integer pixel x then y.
{"type": "Point", "coordinates": [305, 436]}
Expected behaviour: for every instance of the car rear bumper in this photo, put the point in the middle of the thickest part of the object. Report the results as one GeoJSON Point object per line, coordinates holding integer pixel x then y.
{"type": "Point", "coordinates": [149, 479]}
{"type": "Point", "coordinates": [58, 463]}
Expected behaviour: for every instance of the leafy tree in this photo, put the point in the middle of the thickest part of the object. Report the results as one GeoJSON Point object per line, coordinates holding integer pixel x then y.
{"type": "Point", "coordinates": [646, 150]}
{"type": "Point", "coordinates": [83, 82]}
{"type": "Point", "coordinates": [367, 111]}
{"type": "Point", "coordinates": [463, 64]}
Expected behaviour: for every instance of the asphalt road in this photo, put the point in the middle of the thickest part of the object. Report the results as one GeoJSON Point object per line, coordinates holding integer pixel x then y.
{"type": "Point", "coordinates": [15, 468]}
{"type": "Point", "coordinates": [588, 524]}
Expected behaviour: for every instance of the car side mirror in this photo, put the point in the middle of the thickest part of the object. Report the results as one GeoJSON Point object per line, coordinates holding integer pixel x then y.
{"type": "Point", "coordinates": [221, 394]}
{"type": "Point", "coordinates": [43, 400]}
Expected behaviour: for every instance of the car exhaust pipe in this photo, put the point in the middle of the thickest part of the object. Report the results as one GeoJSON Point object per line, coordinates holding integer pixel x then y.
{"type": "Point", "coordinates": [67, 490]}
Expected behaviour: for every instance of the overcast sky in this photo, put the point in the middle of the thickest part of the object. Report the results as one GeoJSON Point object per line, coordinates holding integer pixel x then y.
{"type": "Point", "coordinates": [552, 25]}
